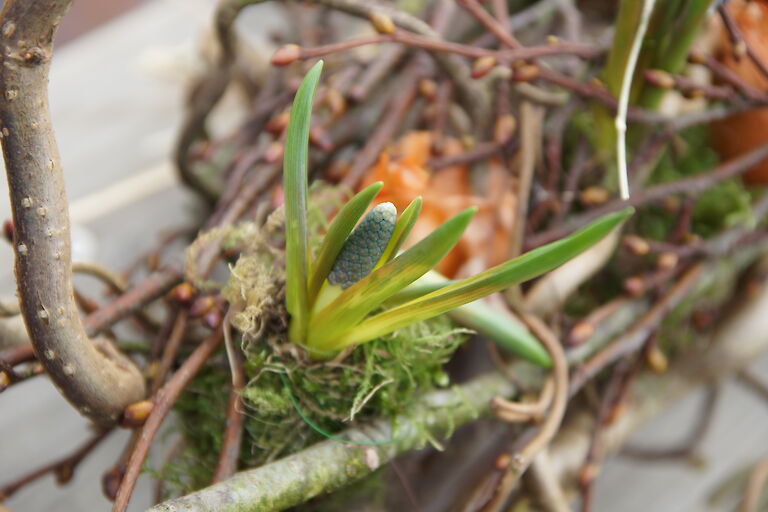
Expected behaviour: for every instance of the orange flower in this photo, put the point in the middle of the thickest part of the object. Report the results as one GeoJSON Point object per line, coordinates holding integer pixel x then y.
{"type": "Point", "coordinates": [446, 192]}
{"type": "Point", "coordinates": [748, 130]}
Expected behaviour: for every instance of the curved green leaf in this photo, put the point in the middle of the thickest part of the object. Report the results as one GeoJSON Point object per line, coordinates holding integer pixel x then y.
{"type": "Point", "coordinates": [295, 181]}
{"type": "Point", "coordinates": [354, 303]}
{"type": "Point", "coordinates": [402, 230]}
{"type": "Point", "coordinates": [522, 268]}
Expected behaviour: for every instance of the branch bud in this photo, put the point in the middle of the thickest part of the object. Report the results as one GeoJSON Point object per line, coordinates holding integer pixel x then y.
{"type": "Point", "coordinates": [592, 196]}
{"type": "Point", "coordinates": [8, 230]}
{"type": "Point", "coordinates": [183, 292]}
{"type": "Point", "coordinates": [525, 73]}
{"type": "Point", "coordinates": [288, 54]}
{"type": "Point", "coordinates": [136, 414]}
{"type": "Point", "coordinates": [659, 78]}
{"type": "Point", "coordinates": [656, 360]}
{"type": "Point", "coordinates": [277, 124]}
{"type": "Point", "coordinates": [482, 66]}
{"type": "Point", "coordinates": [428, 88]}
{"type": "Point", "coordinates": [201, 306]}
{"type": "Point", "coordinates": [667, 261]}
{"type": "Point", "coordinates": [382, 23]}
{"type": "Point", "coordinates": [504, 129]}
{"type": "Point", "coordinates": [636, 245]}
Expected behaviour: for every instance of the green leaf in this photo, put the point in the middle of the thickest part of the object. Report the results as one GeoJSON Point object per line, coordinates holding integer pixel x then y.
{"type": "Point", "coordinates": [295, 184]}
{"type": "Point", "coordinates": [337, 234]}
{"type": "Point", "coordinates": [502, 329]}
{"type": "Point", "coordinates": [354, 303]}
{"type": "Point", "coordinates": [402, 230]}
{"type": "Point", "coordinates": [522, 268]}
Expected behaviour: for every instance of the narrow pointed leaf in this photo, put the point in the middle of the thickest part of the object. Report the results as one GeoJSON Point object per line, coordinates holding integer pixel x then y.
{"type": "Point", "coordinates": [295, 184]}
{"type": "Point", "coordinates": [352, 305]}
{"type": "Point", "coordinates": [506, 332]}
{"type": "Point", "coordinates": [522, 268]}
{"type": "Point", "coordinates": [402, 230]}
{"type": "Point", "coordinates": [337, 234]}
{"type": "Point", "coordinates": [479, 316]}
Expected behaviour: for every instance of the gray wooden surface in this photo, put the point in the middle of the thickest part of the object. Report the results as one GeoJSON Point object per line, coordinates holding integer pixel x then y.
{"type": "Point", "coordinates": [116, 100]}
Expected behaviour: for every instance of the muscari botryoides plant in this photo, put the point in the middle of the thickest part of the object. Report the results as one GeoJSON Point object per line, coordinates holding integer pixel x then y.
{"type": "Point", "coordinates": [359, 287]}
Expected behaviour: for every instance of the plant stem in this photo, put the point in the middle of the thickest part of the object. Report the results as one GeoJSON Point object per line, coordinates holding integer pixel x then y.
{"type": "Point", "coordinates": [626, 84]}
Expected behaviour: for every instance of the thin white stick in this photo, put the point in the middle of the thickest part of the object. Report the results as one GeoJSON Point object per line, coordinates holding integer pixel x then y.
{"type": "Point", "coordinates": [626, 84]}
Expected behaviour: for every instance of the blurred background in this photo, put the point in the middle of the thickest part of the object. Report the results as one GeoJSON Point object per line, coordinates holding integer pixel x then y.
{"type": "Point", "coordinates": [117, 87]}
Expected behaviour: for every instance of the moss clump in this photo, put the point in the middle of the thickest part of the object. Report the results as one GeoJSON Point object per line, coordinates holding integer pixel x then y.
{"type": "Point", "coordinates": [378, 379]}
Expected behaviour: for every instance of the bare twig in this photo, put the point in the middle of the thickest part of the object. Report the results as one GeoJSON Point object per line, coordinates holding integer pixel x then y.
{"type": "Point", "coordinates": [64, 468]}
{"type": "Point", "coordinates": [634, 338]}
{"type": "Point", "coordinates": [100, 384]}
{"type": "Point", "coordinates": [171, 349]}
{"type": "Point", "coordinates": [481, 151]}
{"type": "Point", "coordinates": [737, 39]}
{"type": "Point", "coordinates": [520, 459]}
{"type": "Point", "coordinates": [133, 300]}
{"type": "Point", "coordinates": [388, 126]}
{"type": "Point", "coordinates": [610, 399]}
{"type": "Point", "coordinates": [757, 479]}
{"type": "Point", "coordinates": [163, 401]}
{"type": "Point", "coordinates": [688, 186]}
{"type": "Point", "coordinates": [233, 432]}
{"type": "Point", "coordinates": [493, 25]}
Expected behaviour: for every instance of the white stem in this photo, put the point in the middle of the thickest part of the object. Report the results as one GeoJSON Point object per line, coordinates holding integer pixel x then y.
{"type": "Point", "coordinates": [626, 84]}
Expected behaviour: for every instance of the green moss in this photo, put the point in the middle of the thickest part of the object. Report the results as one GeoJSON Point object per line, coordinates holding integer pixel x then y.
{"type": "Point", "coordinates": [378, 379]}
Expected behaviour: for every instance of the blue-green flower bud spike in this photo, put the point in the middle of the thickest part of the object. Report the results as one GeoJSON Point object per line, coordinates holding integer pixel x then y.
{"type": "Point", "coordinates": [364, 247]}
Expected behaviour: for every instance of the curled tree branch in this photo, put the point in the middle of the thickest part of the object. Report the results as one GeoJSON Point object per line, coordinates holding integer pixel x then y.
{"type": "Point", "coordinates": [95, 378]}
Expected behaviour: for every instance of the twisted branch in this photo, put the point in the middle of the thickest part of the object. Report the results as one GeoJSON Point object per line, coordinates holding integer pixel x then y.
{"type": "Point", "coordinates": [99, 382]}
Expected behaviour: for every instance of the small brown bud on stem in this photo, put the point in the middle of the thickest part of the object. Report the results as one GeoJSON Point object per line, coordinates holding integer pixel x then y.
{"type": "Point", "coordinates": [288, 54]}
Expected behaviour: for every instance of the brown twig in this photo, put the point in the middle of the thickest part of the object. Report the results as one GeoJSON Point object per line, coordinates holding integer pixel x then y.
{"type": "Point", "coordinates": [233, 432]}
{"type": "Point", "coordinates": [493, 25]}
{"type": "Point", "coordinates": [387, 127]}
{"type": "Point", "coordinates": [17, 355]}
{"type": "Point", "coordinates": [376, 71]}
{"type": "Point", "coordinates": [100, 384]}
{"type": "Point", "coordinates": [635, 337]}
{"type": "Point", "coordinates": [481, 151]}
{"type": "Point", "coordinates": [720, 71]}
{"type": "Point", "coordinates": [737, 39]}
{"type": "Point", "coordinates": [169, 352]}
{"type": "Point", "coordinates": [585, 327]}
{"type": "Point", "coordinates": [133, 300]}
{"type": "Point", "coordinates": [64, 468]}
{"type": "Point", "coordinates": [595, 453]}
{"type": "Point", "coordinates": [520, 459]}
{"type": "Point", "coordinates": [206, 95]}
{"type": "Point", "coordinates": [448, 47]}
{"type": "Point", "coordinates": [755, 484]}
{"type": "Point", "coordinates": [688, 186]}
{"type": "Point", "coordinates": [689, 87]}
{"type": "Point", "coordinates": [163, 401]}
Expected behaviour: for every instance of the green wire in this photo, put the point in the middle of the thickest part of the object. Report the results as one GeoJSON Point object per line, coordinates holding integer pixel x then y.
{"type": "Point", "coordinates": [325, 433]}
